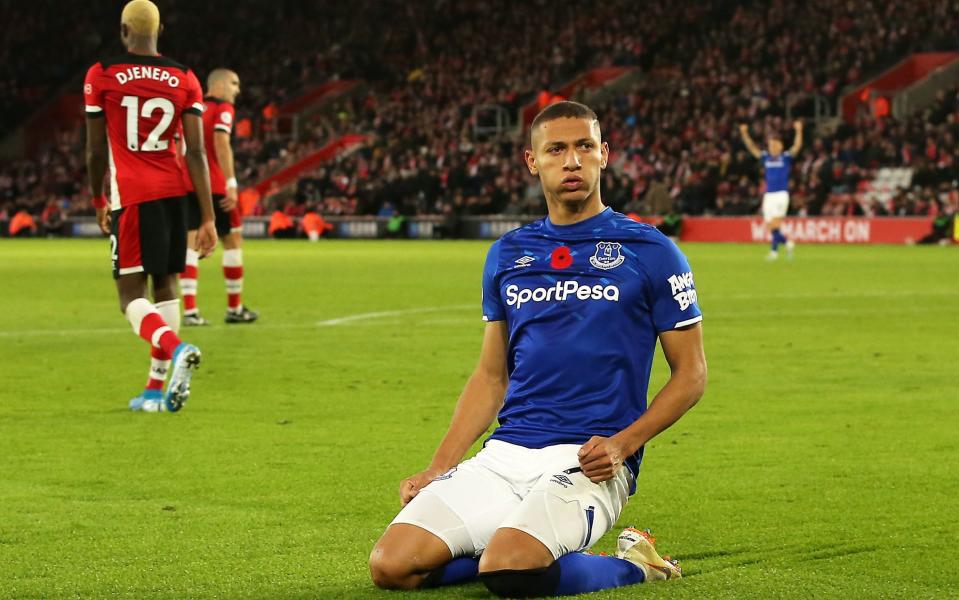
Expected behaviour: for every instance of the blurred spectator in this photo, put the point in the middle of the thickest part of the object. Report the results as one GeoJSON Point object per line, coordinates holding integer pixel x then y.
{"type": "Point", "coordinates": [281, 225]}
{"type": "Point", "coordinates": [22, 224]}
{"type": "Point", "coordinates": [52, 219]}
{"type": "Point", "coordinates": [314, 226]}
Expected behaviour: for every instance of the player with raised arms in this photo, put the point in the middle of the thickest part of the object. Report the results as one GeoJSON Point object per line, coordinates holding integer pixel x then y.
{"type": "Point", "coordinates": [574, 305]}
{"type": "Point", "coordinates": [223, 86]}
{"type": "Point", "coordinates": [776, 167]}
{"type": "Point", "coordinates": [133, 105]}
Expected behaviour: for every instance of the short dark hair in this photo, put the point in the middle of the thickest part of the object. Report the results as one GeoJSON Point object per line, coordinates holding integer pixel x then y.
{"type": "Point", "coordinates": [566, 109]}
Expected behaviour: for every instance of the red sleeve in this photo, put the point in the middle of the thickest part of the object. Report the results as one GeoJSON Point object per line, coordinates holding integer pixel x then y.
{"type": "Point", "coordinates": [92, 94]}
{"type": "Point", "coordinates": [193, 103]}
{"type": "Point", "coordinates": [223, 119]}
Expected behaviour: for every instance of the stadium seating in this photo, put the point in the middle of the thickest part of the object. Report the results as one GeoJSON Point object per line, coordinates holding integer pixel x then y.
{"type": "Point", "coordinates": [673, 131]}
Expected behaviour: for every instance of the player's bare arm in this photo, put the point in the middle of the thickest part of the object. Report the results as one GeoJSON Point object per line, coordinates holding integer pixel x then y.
{"type": "Point", "coordinates": [224, 157]}
{"type": "Point", "coordinates": [797, 142]}
{"type": "Point", "coordinates": [475, 411]}
{"type": "Point", "coordinates": [601, 457]}
{"type": "Point", "coordinates": [195, 157]}
{"type": "Point", "coordinates": [97, 166]}
{"type": "Point", "coordinates": [748, 141]}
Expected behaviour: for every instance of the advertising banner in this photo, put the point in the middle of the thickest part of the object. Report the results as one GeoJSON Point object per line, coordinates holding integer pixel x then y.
{"type": "Point", "coordinates": [809, 230]}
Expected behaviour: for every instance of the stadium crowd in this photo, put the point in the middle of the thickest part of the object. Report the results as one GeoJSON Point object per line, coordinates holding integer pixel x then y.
{"type": "Point", "coordinates": [704, 69]}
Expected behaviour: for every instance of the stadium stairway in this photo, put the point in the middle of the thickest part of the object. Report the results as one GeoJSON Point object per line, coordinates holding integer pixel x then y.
{"type": "Point", "coordinates": [589, 83]}
{"type": "Point", "coordinates": [906, 87]}
{"type": "Point", "coordinates": [342, 145]}
{"type": "Point", "coordinates": [291, 113]}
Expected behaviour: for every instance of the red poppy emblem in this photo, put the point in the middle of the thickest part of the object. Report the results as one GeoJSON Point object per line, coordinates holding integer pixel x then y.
{"type": "Point", "coordinates": [561, 258]}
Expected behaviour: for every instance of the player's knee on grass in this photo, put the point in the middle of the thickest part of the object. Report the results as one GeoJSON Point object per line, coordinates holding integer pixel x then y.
{"type": "Point", "coordinates": [389, 571]}
{"type": "Point", "coordinates": [514, 550]}
{"type": "Point", "coordinates": [404, 556]}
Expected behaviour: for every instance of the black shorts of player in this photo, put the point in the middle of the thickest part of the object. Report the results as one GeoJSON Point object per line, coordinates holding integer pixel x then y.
{"type": "Point", "coordinates": [149, 237]}
{"type": "Point", "coordinates": [222, 218]}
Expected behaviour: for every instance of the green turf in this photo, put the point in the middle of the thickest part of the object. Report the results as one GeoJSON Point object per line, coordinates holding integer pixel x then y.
{"type": "Point", "coordinates": [822, 461]}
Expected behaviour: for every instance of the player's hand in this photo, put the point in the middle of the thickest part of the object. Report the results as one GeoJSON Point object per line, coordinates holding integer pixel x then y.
{"type": "Point", "coordinates": [103, 219]}
{"type": "Point", "coordinates": [412, 485]}
{"type": "Point", "coordinates": [797, 124]}
{"type": "Point", "coordinates": [205, 239]}
{"type": "Point", "coordinates": [600, 458]}
{"type": "Point", "coordinates": [228, 202]}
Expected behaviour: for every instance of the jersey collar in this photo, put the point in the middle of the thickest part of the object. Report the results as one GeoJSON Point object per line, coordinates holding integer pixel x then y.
{"type": "Point", "coordinates": [580, 227]}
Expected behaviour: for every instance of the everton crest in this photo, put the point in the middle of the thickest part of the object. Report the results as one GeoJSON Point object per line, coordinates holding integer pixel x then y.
{"type": "Point", "coordinates": [607, 256]}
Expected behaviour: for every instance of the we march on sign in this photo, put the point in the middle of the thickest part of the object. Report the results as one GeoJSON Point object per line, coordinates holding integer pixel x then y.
{"type": "Point", "coordinates": [814, 230]}
{"type": "Point", "coordinates": [823, 231]}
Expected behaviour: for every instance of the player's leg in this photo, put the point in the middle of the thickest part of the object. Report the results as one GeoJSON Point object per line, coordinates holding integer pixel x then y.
{"type": "Point", "coordinates": [405, 556]}
{"type": "Point", "coordinates": [233, 272]}
{"type": "Point", "coordinates": [167, 304]}
{"type": "Point", "coordinates": [775, 205]}
{"type": "Point", "coordinates": [190, 284]}
{"type": "Point", "coordinates": [237, 311]}
{"type": "Point", "coordinates": [190, 277]}
{"type": "Point", "coordinates": [132, 239]}
{"type": "Point", "coordinates": [170, 258]}
{"type": "Point", "coordinates": [142, 314]}
{"type": "Point", "coordinates": [770, 223]}
{"type": "Point", "coordinates": [511, 570]}
{"type": "Point", "coordinates": [777, 237]}
{"type": "Point", "coordinates": [538, 550]}
{"type": "Point", "coordinates": [435, 539]}
{"type": "Point", "coordinates": [788, 243]}
{"type": "Point", "coordinates": [775, 233]}
{"type": "Point", "coordinates": [430, 544]}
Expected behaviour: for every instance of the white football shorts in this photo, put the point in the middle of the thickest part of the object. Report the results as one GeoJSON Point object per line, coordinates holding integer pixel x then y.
{"type": "Point", "coordinates": [775, 205]}
{"type": "Point", "coordinates": [538, 491]}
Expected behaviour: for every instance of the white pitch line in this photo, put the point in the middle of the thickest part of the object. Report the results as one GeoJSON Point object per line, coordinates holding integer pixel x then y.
{"type": "Point", "coordinates": [433, 309]}
{"type": "Point", "coordinates": [39, 332]}
{"type": "Point", "coordinates": [326, 323]}
{"type": "Point", "coordinates": [391, 313]}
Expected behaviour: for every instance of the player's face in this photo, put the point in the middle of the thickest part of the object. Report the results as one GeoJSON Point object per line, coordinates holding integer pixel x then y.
{"type": "Point", "coordinates": [233, 87]}
{"type": "Point", "coordinates": [568, 156]}
{"type": "Point", "coordinates": [775, 146]}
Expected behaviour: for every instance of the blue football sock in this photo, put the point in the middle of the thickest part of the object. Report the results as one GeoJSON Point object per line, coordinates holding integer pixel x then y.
{"type": "Point", "coordinates": [583, 573]}
{"type": "Point", "coordinates": [778, 238]}
{"type": "Point", "coordinates": [572, 574]}
{"type": "Point", "coordinates": [458, 570]}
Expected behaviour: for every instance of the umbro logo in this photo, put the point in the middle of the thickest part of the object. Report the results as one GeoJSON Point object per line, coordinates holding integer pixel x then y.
{"type": "Point", "coordinates": [445, 475]}
{"type": "Point", "coordinates": [524, 261]}
{"type": "Point", "coordinates": [562, 480]}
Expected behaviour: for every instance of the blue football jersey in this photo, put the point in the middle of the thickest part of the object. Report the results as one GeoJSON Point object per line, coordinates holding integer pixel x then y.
{"type": "Point", "coordinates": [584, 304]}
{"type": "Point", "coordinates": [777, 171]}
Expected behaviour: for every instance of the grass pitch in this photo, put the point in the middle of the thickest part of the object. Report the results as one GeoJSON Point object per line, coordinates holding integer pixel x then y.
{"type": "Point", "coordinates": [820, 463]}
